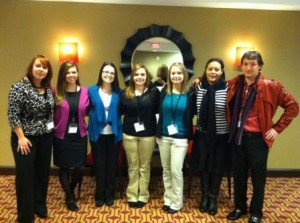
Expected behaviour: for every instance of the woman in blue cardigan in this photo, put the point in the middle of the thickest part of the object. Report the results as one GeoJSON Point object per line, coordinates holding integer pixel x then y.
{"type": "Point", "coordinates": [105, 132]}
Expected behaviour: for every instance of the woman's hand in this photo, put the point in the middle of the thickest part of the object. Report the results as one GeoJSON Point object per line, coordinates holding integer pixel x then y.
{"type": "Point", "coordinates": [24, 146]}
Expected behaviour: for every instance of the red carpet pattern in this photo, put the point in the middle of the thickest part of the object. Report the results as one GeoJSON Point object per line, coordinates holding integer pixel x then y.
{"type": "Point", "coordinates": [282, 204]}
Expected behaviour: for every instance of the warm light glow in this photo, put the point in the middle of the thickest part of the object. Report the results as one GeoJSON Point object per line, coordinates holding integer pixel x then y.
{"type": "Point", "coordinates": [155, 45]}
{"type": "Point", "coordinates": [68, 51]}
{"type": "Point", "coordinates": [239, 52]}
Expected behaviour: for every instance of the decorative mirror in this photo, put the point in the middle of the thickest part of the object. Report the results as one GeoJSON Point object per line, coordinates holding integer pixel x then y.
{"type": "Point", "coordinates": [152, 31]}
{"type": "Point", "coordinates": [155, 52]}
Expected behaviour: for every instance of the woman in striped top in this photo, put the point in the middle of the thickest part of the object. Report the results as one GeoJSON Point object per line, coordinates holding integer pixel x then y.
{"type": "Point", "coordinates": [211, 151]}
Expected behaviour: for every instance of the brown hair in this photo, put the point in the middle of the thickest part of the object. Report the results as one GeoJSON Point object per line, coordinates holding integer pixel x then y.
{"type": "Point", "coordinates": [129, 91]}
{"type": "Point", "coordinates": [60, 93]}
{"type": "Point", "coordinates": [46, 82]}
{"type": "Point", "coordinates": [115, 85]}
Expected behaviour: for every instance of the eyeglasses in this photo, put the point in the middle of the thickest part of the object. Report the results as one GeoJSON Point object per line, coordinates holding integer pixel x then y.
{"type": "Point", "coordinates": [107, 72]}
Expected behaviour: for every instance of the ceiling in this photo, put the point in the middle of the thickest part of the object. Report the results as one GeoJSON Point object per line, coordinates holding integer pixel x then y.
{"type": "Point", "coordinates": [290, 5]}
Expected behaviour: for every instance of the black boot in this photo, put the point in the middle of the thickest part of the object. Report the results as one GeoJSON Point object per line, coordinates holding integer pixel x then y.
{"type": "Point", "coordinates": [76, 179]}
{"type": "Point", "coordinates": [67, 187]}
{"type": "Point", "coordinates": [71, 204]}
{"type": "Point", "coordinates": [212, 209]}
{"type": "Point", "coordinates": [216, 180]}
{"type": "Point", "coordinates": [204, 190]}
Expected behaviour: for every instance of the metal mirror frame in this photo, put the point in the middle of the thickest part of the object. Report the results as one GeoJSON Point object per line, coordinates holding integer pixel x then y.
{"type": "Point", "coordinates": [155, 30]}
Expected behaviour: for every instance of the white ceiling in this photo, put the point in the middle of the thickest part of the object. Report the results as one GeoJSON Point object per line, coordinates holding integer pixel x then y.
{"type": "Point", "coordinates": [290, 5]}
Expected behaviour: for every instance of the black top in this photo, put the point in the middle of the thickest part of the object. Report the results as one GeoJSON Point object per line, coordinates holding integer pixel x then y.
{"type": "Point", "coordinates": [141, 109]}
{"type": "Point", "coordinates": [73, 101]}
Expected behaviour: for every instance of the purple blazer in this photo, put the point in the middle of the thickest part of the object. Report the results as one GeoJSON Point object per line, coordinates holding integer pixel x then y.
{"type": "Point", "coordinates": [61, 115]}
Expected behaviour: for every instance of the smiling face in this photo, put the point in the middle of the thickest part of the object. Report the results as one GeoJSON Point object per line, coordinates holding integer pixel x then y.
{"type": "Point", "coordinates": [176, 75]}
{"type": "Point", "coordinates": [108, 74]}
{"type": "Point", "coordinates": [213, 72]}
{"type": "Point", "coordinates": [72, 75]}
{"type": "Point", "coordinates": [39, 71]}
{"type": "Point", "coordinates": [140, 77]}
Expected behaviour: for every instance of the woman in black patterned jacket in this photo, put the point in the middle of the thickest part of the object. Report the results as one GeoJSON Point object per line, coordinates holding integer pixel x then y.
{"type": "Point", "coordinates": [30, 108]}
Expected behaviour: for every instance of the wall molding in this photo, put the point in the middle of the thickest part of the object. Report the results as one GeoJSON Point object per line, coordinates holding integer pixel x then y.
{"type": "Point", "coordinates": [156, 171]}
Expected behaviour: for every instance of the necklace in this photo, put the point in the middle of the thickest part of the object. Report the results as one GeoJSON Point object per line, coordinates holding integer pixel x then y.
{"type": "Point", "coordinates": [106, 91]}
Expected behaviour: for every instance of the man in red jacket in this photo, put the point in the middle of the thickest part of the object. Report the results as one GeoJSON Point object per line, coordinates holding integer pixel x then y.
{"type": "Point", "coordinates": [252, 103]}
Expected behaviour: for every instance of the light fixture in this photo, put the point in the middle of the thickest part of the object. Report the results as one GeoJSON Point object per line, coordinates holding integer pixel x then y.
{"type": "Point", "coordinates": [239, 52]}
{"type": "Point", "coordinates": [155, 45]}
{"type": "Point", "coordinates": [68, 51]}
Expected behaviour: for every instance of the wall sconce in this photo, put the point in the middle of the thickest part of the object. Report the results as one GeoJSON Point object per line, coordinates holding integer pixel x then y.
{"type": "Point", "coordinates": [68, 51]}
{"type": "Point", "coordinates": [239, 52]}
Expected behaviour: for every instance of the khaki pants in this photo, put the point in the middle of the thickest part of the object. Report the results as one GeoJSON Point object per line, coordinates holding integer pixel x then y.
{"type": "Point", "coordinates": [139, 153]}
{"type": "Point", "coordinates": [172, 153]}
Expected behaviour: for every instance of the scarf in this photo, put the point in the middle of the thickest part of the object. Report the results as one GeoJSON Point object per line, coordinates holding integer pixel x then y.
{"type": "Point", "coordinates": [207, 117]}
{"type": "Point", "coordinates": [236, 129]}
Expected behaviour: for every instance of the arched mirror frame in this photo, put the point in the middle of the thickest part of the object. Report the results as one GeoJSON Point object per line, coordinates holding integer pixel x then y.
{"type": "Point", "coordinates": [156, 31]}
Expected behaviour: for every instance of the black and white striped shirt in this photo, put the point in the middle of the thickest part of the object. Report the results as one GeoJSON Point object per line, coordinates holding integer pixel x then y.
{"type": "Point", "coordinates": [220, 108]}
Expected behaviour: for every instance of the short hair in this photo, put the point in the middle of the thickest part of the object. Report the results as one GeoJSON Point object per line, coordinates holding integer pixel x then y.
{"type": "Point", "coordinates": [253, 55]}
{"type": "Point", "coordinates": [46, 82]}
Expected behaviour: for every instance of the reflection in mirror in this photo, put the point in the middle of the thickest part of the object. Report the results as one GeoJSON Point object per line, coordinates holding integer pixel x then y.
{"type": "Point", "coordinates": [154, 52]}
{"type": "Point", "coordinates": [151, 31]}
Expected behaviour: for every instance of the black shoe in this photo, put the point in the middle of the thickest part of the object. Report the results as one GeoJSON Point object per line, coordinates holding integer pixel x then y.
{"type": "Point", "coordinates": [110, 202]}
{"type": "Point", "coordinates": [254, 219]}
{"type": "Point", "coordinates": [172, 211]}
{"type": "Point", "coordinates": [72, 206]}
{"type": "Point", "coordinates": [41, 213]}
{"type": "Point", "coordinates": [236, 214]}
{"type": "Point", "coordinates": [99, 203]}
{"type": "Point", "coordinates": [140, 204]}
{"type": "Point", "coordinates": [212, 207]}
{"type": "Point", "coordinates": [166, 208]}
{"type": "Point", "coordinates": [204, 203]}
{"type": "Point", "coordinates": [132, 204]}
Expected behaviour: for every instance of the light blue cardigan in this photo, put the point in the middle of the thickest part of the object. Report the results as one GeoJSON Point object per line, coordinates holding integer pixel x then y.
{"type": "Point", "coordinates": [97, 119]}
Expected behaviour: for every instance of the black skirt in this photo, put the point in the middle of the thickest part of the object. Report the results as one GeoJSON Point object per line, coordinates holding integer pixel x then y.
{"type": "Point", "coordinates": [212, 159]}
{"type": "Point", "coordinates": [70, 151]}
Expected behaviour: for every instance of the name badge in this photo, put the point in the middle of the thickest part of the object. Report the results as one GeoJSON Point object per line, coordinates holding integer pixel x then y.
{"type": "Point", "coordinates": [50, 125]}
{"type": "Point", "coordinates": [72, 128]}
{"type": "Point", "coordinates": [172, 129]}
{"type": "Point", "coordinates": [139, 126]}
{"type": "Point", "coordinates": [239, 124]}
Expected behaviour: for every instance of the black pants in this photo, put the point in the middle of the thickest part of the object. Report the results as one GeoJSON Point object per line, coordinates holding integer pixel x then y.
{"type": "Point", "coordinates": [253, 155]}
{"type": "Point", "coordinates": [105, 156]}
{"type": "Point", "coordinates": [32, 175]}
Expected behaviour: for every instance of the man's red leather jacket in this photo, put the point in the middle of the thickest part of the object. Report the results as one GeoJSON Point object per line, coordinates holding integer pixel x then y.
{"type": "Point", "coordinates": [270, 95]}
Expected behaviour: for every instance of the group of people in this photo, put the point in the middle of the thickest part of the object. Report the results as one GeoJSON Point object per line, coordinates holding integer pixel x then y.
{"type": "Point", "coordinates": [234, 131]}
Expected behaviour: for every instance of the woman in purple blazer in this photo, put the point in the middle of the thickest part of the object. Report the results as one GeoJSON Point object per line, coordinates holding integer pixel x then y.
{"type": "Point", "coordinates": [70, 130]}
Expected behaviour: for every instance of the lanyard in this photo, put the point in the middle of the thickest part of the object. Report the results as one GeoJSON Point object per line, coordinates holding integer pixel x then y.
{"type": "Point", "coordinates": [139, 106]}
{"type": "Point", "coordinates": [72, 104]}
{"type": "Point", "coordinates": [173, 112]}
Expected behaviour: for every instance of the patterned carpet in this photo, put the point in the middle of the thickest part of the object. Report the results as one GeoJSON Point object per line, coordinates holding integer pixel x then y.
{"type": "Point", "coordinates": [282, 204]}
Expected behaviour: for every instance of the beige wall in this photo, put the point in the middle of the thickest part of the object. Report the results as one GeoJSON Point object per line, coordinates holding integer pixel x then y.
{"type": "Point", "coordinates": [30, 28]}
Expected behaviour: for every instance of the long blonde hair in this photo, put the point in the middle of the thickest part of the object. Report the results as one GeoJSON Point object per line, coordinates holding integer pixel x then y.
{"type": "Point", "coordinates": [182, 68]}
{"type": "Point", "coordinates": [129, 91]}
